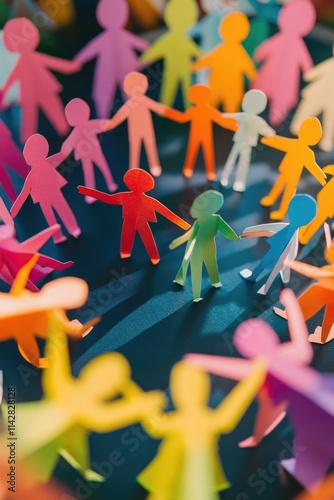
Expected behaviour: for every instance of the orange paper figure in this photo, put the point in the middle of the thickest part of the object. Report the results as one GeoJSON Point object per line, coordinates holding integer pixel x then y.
{"type": "Point", "coordinates": [317, 295]}
{"type": "Point", "coordinates": [298, 155]}
{"type": "Point", "coordinates": [320, 492]}
{"type": "Point", "coordinates": [201, 116]}
{"type": "Point", "coordinates": [229, 64]}
{"type": "Point", "coordinates": [187, 465]}
{"type": "Point", "coordinates": [138, 210]}
{"type": "Point", "coordinates": [137, 111]}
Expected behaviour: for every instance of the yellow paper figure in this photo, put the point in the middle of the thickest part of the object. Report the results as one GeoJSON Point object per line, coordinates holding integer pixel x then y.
{"type": "Point", "coordinates": [298, 156]}
{"type": "Point", "coordinates": [25, 315]}
{"type": "Point", "coordinates": [74, 407]}
{"type": "Point", "coordinates": [190, 434]}
{"type": "Point", "coordinates": [229, 64]}
{"type": "Point", "coordinates": [177, 50]}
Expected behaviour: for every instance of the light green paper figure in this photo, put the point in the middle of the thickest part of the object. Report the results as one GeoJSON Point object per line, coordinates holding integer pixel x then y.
{"type": "Point", "coordinates": [177, 50]}
{"type": "Point", "coordinates": [201, 246]}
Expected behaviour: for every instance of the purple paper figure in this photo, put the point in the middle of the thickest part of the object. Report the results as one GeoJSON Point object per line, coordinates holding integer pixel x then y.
{"type": "Point", "coordinates": [39, 89]}
{"type": "Point", "coordinates": [115, 53]}
{"type": "Point", "coordinates": [11, 156]}
{"type": "Point", "coordinates": [44, 185]}
{"type": "Point", "coordinates": [284, 56]}
{"type": "Point", "coordinates": [254, 339]}
{"type": "Point", "coordinates": [84, 142]}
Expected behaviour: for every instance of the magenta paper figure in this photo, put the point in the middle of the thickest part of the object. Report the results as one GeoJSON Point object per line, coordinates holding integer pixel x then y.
{"type": "Point", "coordinates": [284, 56]}
{"type": "Point", "coordinates": [137, 110]}
{"type": "Point", "coordinates": [11, 156]}
{"type": "Point", "coordinates": [84, 142]}
{"type": "Point", "coordinates": [39, 89]}
{"type": "Point", "coordinates": [115, 53]}
{"type": "Point", "coordinates": [254, 339]}
{"type": "Point", "coordinates": [44, 185]}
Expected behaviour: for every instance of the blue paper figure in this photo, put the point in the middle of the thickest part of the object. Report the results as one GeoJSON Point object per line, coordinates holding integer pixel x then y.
{"type": "Point", "coordinates": [283, 240]}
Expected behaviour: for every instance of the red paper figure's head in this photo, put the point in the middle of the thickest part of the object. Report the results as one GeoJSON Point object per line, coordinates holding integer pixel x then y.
{"type": "Point", "coordinates": [297, 17]}
{"type": "Point", "coordinates": [20, 35]}
{"type": "Point", "coordinates": [112, 13]}
{"type": "Point", "coordinates": [135, 84]}
{"type": "Point", "coordinates": [190, 386]}
{"type": "Point", "coordinates": [310, 131]}
{"type": "Point", "coordinates": [200, 94]}
{"type": "Point", "coordinates": [138, 180]}
{"type": "Point", "coordinates": [255, 338]}
{"type": "Point", "coordinates": [36, 149]}
{"type": "Point", "coordinates": [77, 111]}
{"type": "Point", "coordinates": [234, 27]}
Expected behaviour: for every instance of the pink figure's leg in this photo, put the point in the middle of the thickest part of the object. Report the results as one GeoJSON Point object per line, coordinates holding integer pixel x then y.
{"type": "Point", "coordinates": [127, 238]}
{"type": "Point", "coordinates": [276, 190]}
{"type": "Point", "coordinates": [14, 158]}
{"type": "Point", "coordinates": [89, 177]}
{"type": "Point", "coordinates": [150, 145]}
{"type": "Point", "coordinates": [54, 111]}
{"type": "Point", "coordinates": [48, 212]}
{"type": "Point", "coordinates": [7, 184]}
{"type": "Point", "coordinates": [104, 88]}
{"type": "Point", "coordinates": [149, 242]}
{"type": "Point", "coordinates": [191, 155]}
{"type": "Point", "coordinates": [102, 164]}
{"type": "Point", "coordinates": [66, 215]}
{"type": "Point", "coordinates": [209, 159]}
{"type": "Point", "coordinates": [29, 120]}
{"type": "Point", "coordinates": [135, 150]}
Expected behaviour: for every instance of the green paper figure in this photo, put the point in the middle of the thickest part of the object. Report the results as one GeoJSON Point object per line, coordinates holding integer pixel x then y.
{"type": "Point", "coordinates": [201, 246]}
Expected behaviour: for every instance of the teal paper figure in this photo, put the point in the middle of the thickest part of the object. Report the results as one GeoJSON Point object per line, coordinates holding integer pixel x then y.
{"type": "Point", "coordinates": [266, 13]}
{"type": "Point", "coordinates": [201, 245]}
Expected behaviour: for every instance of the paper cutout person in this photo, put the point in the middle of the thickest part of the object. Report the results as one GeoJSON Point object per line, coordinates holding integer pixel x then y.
{"type": "Point", "coordinates": [318, 98]}
{"type": "Point", "coordinates": [260, 24]}
{"type": "Point", "coordinates": [251, 126]}
{"type": "Point", "coordinates": [39, 89]}
{"type": "Point", "coordinates": [84, 142]}
{"type": "Point", "coordinates": [115, 53]}
{"type": "Point", "coordinates": [283, 57]}
{"type": "Point", "coordinates": [138, 210]}
{"type": "Point", "coordinates": [254, 339]}
{"type": "Point", "coordinates": [298, 156]}
{"type": "Point", "coordinates": [283, 241]}
{"type": "Point", "coordinates": [11, 156]}
{"type": "Point", "coordinates": [63, 15]}
{"type": "Point", "coordinates": [44, 185]}
{"type": "Point", "coordinates": [229, 64]}
{"type": "Point", "coordinates": [317, 296]}
{"type": "Point", "coordinates": [201, 245]}
{"type": "Point", "coordinates": [177, 50]}
{"type": "Point", "coordinates": [138, 112]}
{"type": "Point", "coordinates": [188, 453]}
{"type": "Point", "coordinates": [201, 117]}
{"type": "Point", "coordinates": [72, 408]}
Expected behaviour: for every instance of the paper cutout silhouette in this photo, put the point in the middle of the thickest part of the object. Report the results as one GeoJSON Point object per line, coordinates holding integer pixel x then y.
{"type": "Point", "coordinates": [138, 112]}
{"type": "Point", "coordinates": [8, 61]}
{"type": "Point", "coordinates": [138, 210]}
{"type": "Point", "coordinates": [190, 433]}
{"type": "Point", "coordinates": [72, 408]}
{"type": "Point", "coordinates": [44, 185]}
{"type": "Point", "coordinates": [10, 156]}
{"type": "Point", "coordinates": [63, 15]}
{"type": "Point", "coordinates": [115, 53]}
{"type": "Point", "coordinates": [229, 64]}
{"type": "Point", "coordinates": [317, 296]}
{"type": "Point", "coordinates": [201, 117]}
{"type": "Point", "coordinates": [251, 126]}
{"type": "Point", "coordinates": [255, 338]}
{"type": "Point", "coordinates": [39, 89]}
{"type": "Point", "coordinates": [283, 57]}
{"type": "Point", "coordinates": [260, 24]}
{"type": "Point", "coordinates": [317, 98]}
{"type": "Point", "coordinates": [283, 241]}
{"type": "Point", "coordinates": [84, 142]}
{"type": "Point", "coordinates": [298, 156]}
{"type": "Point", "coordinates": [176, 49]}
{"type": "Point", "coordinates": [201, 245]}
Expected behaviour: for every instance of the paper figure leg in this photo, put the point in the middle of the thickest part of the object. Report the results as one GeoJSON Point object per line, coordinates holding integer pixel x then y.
{"type": "Point", "coordinates": [14, 158]}
{"type": "Point", "coordinates": [210, 261]}
{"type": "Point", "coordinates": [66, 215]}
{"type": "Point", "coordinates": [242, 172]}
{"type": "Point", "coordinates": [269, 257]}
{"type": "Point", "coordinates": [127, 238]}
{"type": "Point", "coordinates": [149, 243]}
{"type": "Point", "coordinates": [191, 155]}
{"type": "Point", "coordinates": [312, 300]}
{"type": "Point", "coordinates": [29, 119]}
{"type": "Point", "coordinates": [50, 217]}
{"type": "Point", "coordinates": [327, 322]}
{"type": "Point", "coordinates": [181, 276]}
{"type": "Point", "coordinates": [53, 264]}
{"type": "Point", "coordinates": [196, 267]}
{"type": "Point", "coordinates": [289, 192]}
{"type": "Point", "coordinates": [7, 184]}
{"type": "Point", "coordinates": [209, 159]}
{"type": "Point", "coordinates": [169, 88]}
{"type": "Point", "coordinates": [135, 150]}
{"type": "Point", "coordinates": [151, 149]}
{"type": "Point", "coordinates": [54, 111]}
{"type": "Point", "coordinates": [29, 349]}
{"type": "Point", "coordinates": [230, 163]}
{"type": "Point", "coordinates": [272, 197]}
{"type": "Point", "coordinates": [326, 143]}
{"type": "Point", "coordinates": [89, 177]}
{"type": "Point", "coordinates": [102, 164]}
{"type": "Point", "coordinates": [104, 88]}
{"type": "Point", "coordinates": [309, 231]}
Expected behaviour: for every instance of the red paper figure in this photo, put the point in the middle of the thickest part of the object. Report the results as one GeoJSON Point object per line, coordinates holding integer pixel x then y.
{"type": "Point", "coordinates": [138, 210]}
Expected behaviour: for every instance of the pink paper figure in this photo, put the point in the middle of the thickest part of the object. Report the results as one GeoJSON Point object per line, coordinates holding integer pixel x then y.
{"type": "Point", "coordinates": [115, 53]}
{"type": "Point", "coordinates": [44, 185]}
{"type": "Point", "coordinates": [137, 110]}
{"type": "Point", "coordinates": [11, 156]}
{"type": "Point", "coordinates": [84, 141]}
{"type": "Point", "coordinates": [284, 56]}
{"type": "Point", "coordinates": [254, 339]}
{"type": "Point", "coordinates": [39, 89]}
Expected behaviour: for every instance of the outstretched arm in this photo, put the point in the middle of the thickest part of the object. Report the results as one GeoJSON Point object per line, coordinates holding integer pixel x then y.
{"type": "Point", "coordinates": [315, 170]}
{"type": "Point", "coordinates": [265, 50]}
{"type": "Point", "coordinates": [261, 230]}
{"type": "Point", "coordinates": [158, 50]}
{"type": "Point", "coordinates": [182, 239]}
{"type": "Point", "coordinates": [306, 62]}
{"type": "Point", "coordinates": [319, 71]}
{"type": "Point", "coordinates": [226, 230]}
{"type": "Point", "coordinates": [312, 272]}
{"type": "Point", "coordinates": [177, 116]}
{"type": "Point", "coordinates": [59, 65]}
{"type": "Point", "coordinates": [68, 145]}
{"type": "Point", "coordinates": [121, 115]}
{"type": "Point", "coordinates": [203, 62]}
{"type": "Point", "coordinates": [136, 42]}
{"type": "Point", "coordinates": [278, 142]}
{"type": "Point", "coordinates": [21, 198]}
{"type": "Point", "coordinates": [155, 106]}
{"type": "Point", "coordinates": [249, 67]}
{"type": "Point", "coordinates": [57, 159]}
{"type": "Point", "coordinates": [224, 121]}
{"type": "Point", "coordinates": [194, 49]}
{"type": "Point", "coordinates": [90, 51]}
{"type": "Point", "coordinates": [165, 212]}
{"type": "Point", "coordinates": [111, 199]}
{"type": "Point", "coordinates": [232, 368]}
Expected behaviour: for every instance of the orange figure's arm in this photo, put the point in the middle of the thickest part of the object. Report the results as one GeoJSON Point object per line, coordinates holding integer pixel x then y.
{"type": "Point", "coordinates": [177, 116]}
{"type": "Point", "coordinates": [161, 209]}
{"type": "Point", "coordinates": [203, 62]}
{"type": "Point", "coordinates": [278, 142]}
{"type": "Point", "coordinates": [249, 67]}
{"type": "Point", "coordinates": [315, 170]}
{"type": "Point", "coordinates": [111, 199]}
{"type": "Point", "coordinates": [224, 121]}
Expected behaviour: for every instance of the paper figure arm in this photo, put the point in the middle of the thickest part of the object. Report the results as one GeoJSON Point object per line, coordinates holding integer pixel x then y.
{"type": "Point", "coordinates": [193, 48]}
{"type": "Point", "coordinates": [306, 62]}
{"type": "Point", "coordinates": [315, 170]}
{"type": "Point", "coordinates": [265, 50]}
{"type": "Point", "coordinates": [155, 106]}
{"type": "Point", "coordinates": [59, 65]}
{"type": "Point", "coordinates": [265, 230]}
{"type": "Point", "coordinates": [232, 368]}
{"type": "Point", "coordinates": [57, 375]}
{"type": "Point", "coordinates": [266, 130]}
{"type": "Point", "coordinates": [56, 160]}
{"type": "Point", "coordinates": [68, 145]}
{"type": "Point", "coordinates": [19, 202]}
{"type": "Point", "coordinates": [122, 114]}
{"type": "Point", "coordinates": [33, 244]}
{"type": "Point", "coordinates": [111, 199]}
{"type": "Point", "coordinates": [203, 62]}
{"type": "Point", "coordinates": [92, 50]}
{"type": "Point", "coordinates": [158, 50]}
{"type": "Point", "coordinates": [165, 212]}
{"type": "Point", "coordinates": [177, 116]}
{"type": "Point", "coordinates": [312, 272]}
{"type": "Point", "coordinates": [136, 42]}
{"type": "Point", "coordinates": [224, 121]}
{"type": "Point", "coordinates": [182, 239]}
{"type": "Point", "coordinates": [278, 142]}
{"type": "Point", "coordinates": [318, 71]}
{"type": "Point", "coordinates": [249, 67]}
{"type": "Point", "coordinates": [226, 230]}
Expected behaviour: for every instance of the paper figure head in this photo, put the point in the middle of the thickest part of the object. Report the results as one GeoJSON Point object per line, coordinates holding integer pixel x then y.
{"type": "Point", "coordinates": [36, 149]}
{"type": "Point", "coordinates": [255, 338]}
{"type": "Point", "coordinates": [297, 17]}
{"type": "Point", "coordinates": [189, 386]}
{"type": "Point", "coordinates": [302, 209]}
{"type": "Point", "coordinates": [180, 15]}
{"type": "Point", "coordinates": [20, 35]}
{"type": "Point", "coordinates": [112, 13]}
{"type": "Point", "coordinates": [138, 180]}
{"type": "Point", "coordinates": [234, 27]}
{"type": "Point", "coordinates": [199, 94]}
{"type": "Point", "coordinates": [135, 84]}
{"type": "Point", "coordinates": [254, 102]}
{"type": "Point", "coordinates": [77, 111]}
{"type": "Point", "coordinates": [310, 131]}
{"type": "Point", "coordinates": [206, 204]}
